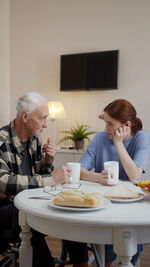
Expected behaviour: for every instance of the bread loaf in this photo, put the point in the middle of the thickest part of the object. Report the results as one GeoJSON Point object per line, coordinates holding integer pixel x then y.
{"type": "Point", "coordinates": [122, 192]}
{"type": "Point", "coordinates": [77, 198]}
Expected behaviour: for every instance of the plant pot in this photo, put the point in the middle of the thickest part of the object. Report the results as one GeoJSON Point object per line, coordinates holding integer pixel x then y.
{"type": "Point", "coordinates": [79, 144]}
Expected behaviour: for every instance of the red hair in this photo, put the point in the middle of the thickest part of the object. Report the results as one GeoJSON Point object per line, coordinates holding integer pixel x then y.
{"type": "Point", "coordinates": [123, 111]}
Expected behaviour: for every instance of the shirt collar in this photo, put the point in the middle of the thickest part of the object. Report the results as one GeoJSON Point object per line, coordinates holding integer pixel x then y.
{"type": "Point", "coordinates": [15, 140]}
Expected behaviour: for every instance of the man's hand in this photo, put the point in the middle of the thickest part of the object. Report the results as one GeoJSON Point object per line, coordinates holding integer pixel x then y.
{"type": "Point", "coordinates": [50, 150]}
{"type": "Point", "coordinates": [61, 175]}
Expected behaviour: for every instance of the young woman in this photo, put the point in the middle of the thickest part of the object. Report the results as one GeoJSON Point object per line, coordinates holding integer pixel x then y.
{"type": "Point", "coordinates": [124, 141]}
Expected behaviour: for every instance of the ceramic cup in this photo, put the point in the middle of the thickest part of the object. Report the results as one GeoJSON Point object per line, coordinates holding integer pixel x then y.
{"type": "Point", "coordinates": [75, 172]}
{"type": "Point", "coordinates": [112, 168]}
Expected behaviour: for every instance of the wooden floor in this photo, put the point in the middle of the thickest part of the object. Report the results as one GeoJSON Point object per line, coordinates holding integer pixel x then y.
{"type": "Point", "coordinates": [55, 247]}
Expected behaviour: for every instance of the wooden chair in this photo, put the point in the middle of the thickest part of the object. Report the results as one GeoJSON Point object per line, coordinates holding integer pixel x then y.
{"type": "Point", "coordinates": [9, 248]}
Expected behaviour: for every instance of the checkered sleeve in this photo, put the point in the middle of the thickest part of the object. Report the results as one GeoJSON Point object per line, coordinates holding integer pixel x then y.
{"type": "Point", "coordinates": [11, 183]}
{"type": "Point", "coordinates": [11, 179]}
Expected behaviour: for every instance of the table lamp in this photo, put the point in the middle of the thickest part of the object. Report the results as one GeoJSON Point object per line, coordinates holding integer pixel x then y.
{"type": "Point", "coordinates": [56, 111]}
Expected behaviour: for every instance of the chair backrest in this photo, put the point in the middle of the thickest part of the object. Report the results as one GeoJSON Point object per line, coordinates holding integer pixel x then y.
{"type": "Point", "coordinates": [146, 175]}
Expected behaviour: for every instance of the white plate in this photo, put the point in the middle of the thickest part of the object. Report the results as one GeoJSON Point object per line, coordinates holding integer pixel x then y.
{"type": "Point", "coordinates": [106, 203]}
{"type": "Point", "coordinates": [145, 190]}
{"type": "Point", "coordinates": [125, 200]}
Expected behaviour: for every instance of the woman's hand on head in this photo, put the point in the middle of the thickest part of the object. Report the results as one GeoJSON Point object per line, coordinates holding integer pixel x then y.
{"type": "Point", "coordinates": [122, 134]}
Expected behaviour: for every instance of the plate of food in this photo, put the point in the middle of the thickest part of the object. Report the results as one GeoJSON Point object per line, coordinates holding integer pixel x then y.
{"type": "Point", "coordinates": [123, 194]}
{"type": "Point", "coordinates": [77, 200]}
{"type": "Point", "coordinates": [106, 203]}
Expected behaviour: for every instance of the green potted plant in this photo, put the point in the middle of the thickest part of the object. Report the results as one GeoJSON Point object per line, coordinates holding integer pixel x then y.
{"type": "Point", "coordinates": [77, 134]}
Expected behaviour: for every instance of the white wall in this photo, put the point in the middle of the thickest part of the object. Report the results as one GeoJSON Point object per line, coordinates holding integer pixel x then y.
{"type": "Point", "coordinates": [4, 62]}
{"type": "Point", "coordinates": [42, 30]}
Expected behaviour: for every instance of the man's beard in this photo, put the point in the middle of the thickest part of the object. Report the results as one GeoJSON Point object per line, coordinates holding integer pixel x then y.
{"type": "Point", "coordinates": [38, 133]}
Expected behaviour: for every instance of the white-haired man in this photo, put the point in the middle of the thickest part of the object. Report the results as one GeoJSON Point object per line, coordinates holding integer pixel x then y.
{"type": "Point", "coordinates": [24, 164]}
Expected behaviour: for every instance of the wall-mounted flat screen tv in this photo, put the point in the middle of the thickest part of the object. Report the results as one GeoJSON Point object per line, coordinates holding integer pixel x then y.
{"type": "Point", "coordinates": [89, 71]}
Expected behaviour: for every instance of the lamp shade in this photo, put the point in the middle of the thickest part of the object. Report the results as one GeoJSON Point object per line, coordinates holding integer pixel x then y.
{"type": "Point", "coordinates": [56, 110]}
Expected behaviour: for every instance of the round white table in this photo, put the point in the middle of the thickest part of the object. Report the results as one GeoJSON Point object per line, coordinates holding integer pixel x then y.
{"type": "Point", "coordinates": [122, 224]}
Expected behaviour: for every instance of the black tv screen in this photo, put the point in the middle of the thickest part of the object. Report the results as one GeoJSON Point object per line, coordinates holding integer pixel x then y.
{"type": "Point", "coordinates": [89, 71]}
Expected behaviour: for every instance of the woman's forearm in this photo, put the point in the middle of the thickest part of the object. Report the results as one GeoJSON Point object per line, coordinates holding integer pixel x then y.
{"type": "Point", "coordinates": [90, 176]}
{"type": "Point", "coordinates": [131, 169]}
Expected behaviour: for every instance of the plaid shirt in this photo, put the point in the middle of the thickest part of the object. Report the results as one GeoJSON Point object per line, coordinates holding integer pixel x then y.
{"type": "Point", "coordinates": [12, 180]}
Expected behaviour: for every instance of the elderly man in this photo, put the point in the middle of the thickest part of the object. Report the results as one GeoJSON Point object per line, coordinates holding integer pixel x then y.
{"type": "Point", "coordinates": [23, 165]}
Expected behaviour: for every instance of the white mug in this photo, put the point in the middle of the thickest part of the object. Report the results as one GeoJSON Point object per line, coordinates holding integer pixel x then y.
{"type": "Point", "coordinates": [75, 172]}
{"type": "Point", "coordinates": [112, 168]}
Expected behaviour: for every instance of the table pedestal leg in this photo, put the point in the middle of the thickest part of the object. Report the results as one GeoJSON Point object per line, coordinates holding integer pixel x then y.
{"type": "Point", "coordinates": [125, 262]}
{"type": "Point", "coordinates": [25, 250]}
{"type": "Point", "coordinates": [125, 245]}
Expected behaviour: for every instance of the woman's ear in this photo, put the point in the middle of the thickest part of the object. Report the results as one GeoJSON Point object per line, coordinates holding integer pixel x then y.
{"type": "Point", "coordinates": [24, 116]}
{"type": "Point", "coordinates": [128, 123]}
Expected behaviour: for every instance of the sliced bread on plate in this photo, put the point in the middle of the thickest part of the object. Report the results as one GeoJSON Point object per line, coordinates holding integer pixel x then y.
{"type": "Point", "coordinates": [122, 192]}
